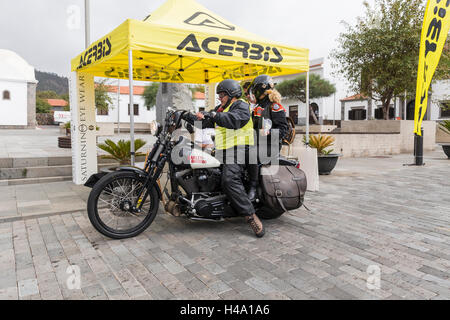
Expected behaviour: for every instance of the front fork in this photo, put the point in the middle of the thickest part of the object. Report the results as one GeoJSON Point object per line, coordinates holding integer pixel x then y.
{"type": "Point", "coordinates": [149, 183]}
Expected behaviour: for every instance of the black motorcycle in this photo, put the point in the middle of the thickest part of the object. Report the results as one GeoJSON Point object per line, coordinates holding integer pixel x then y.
{"type": "Point", "coordinates": [124, 203]}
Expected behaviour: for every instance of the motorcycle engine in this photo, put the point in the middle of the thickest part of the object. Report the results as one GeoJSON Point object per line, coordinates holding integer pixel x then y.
{"type": "Point", "coordinates": [201, 180]}
{"type": "Point", "coordinates": [212, 206]}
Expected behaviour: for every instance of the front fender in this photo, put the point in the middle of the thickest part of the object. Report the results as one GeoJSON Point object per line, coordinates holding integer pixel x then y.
{"type": "Point", "coordinates": [140, 173]}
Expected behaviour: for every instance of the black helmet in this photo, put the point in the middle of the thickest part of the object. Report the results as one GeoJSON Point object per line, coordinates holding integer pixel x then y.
{"type": "Point", "coordinates": [231, 87]}
{"type": "Point", "coordinates": [260, 85]}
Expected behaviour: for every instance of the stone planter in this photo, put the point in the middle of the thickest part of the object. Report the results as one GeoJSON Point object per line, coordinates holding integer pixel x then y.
{"type": "Point", "coordinates": [65, 142]}
{"type": "Point", "coordinates": [446, 148]}
{"type": "Point", "coordinates": [327, 163]}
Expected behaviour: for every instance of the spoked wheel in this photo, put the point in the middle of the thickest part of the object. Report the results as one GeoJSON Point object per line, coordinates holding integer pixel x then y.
{"type": "Point", "coordinates": [110, 205]}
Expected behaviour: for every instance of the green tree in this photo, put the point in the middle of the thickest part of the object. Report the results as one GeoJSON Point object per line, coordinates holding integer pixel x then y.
{"type": "Point", "coordinates": [379, 55]}
{"type": "Point", "coordinates": [66, 98]}
{"type": "Point", "coordinates": [296, 88]}
{"type": "Point", "coordinates": [47, 95]}
{"type": "Point", "coordinates": [197, 88]}
{"type": "Point", "coordinates": [443, 69]}
{"type": "Point", "coordinates": [150, 93]}
{"type": "Point", "coordinates": [42, 106]}
{"type": "Point", "coordinates": [102, 98]}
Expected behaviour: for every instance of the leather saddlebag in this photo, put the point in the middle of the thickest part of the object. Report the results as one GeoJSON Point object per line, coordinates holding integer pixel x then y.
{"type": "Point", "coordinates": [283, 187]}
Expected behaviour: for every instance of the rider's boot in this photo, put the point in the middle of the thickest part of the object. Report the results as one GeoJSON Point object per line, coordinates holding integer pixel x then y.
{"type": "Point", "coordinates": [252, 191]}
{"type": "Point", "coordinates": [256, 225]}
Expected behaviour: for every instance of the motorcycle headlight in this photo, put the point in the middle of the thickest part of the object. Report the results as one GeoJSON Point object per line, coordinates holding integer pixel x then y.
{"type": "Point", "coordinates": [155, 128]}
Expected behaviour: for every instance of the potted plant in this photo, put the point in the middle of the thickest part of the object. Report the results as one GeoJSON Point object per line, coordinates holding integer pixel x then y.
{"type": "Point", "coordinates": [326, 159]}
{"type": "Point", "coordinates": [65, 141]}
{"type": "Point", "coordinates": [120, 151]}
{"type": "Point", "coordinates": [67, 126]}
{"type": "Point", "coordinates": [445, 126]}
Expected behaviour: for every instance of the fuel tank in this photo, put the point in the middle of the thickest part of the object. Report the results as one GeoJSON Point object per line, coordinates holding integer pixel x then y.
{"type": "Point", "coordinates": [188, 156]}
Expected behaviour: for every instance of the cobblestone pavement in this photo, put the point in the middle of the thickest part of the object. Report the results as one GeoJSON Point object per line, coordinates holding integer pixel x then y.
{"type": "Point", "coordinates": [372, 216]}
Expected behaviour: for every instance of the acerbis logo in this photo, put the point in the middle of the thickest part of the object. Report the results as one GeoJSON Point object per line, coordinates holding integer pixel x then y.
{"type": "Point", "coordinates": [96, 52]}
{"type": "Point", "coordinates": [204, 19]}
{"type": "Point", "coordinates": [228, 47]}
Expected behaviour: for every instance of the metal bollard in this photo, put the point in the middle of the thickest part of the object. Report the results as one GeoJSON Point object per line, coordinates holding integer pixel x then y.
{"type": "Point", "coordinates": [418, 149]}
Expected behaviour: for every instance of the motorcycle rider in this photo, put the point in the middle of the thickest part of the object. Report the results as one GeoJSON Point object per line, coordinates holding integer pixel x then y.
{"type": "Point", "coordinates": [234, 135]}
{"type": "Point", "coordinates": [268, 107]}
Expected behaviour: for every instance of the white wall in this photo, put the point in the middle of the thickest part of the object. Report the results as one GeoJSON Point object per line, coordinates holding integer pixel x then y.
{"type": "Point", "coordinates": [354, 104]}
{"type": "Point", "coordinates": [145, 116]}
{"type": "Point", "coordinates": [199, 104]}
{"type": "Point", "coordinates": [441, 92]}
{"type": "Point", "coordinates": [13, 112]}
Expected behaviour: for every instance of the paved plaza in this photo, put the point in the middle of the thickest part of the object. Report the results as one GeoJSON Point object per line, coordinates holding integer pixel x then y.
{"type": "Point", "coordinates": [376, 230]}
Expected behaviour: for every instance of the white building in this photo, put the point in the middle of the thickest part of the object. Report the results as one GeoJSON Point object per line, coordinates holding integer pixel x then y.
{"type": "Point", "coordinates": [199, 101]}
{"type": "Point", "coordinates": [323, 107]}
{"type": "Point", "coordinates": [120, 111]}
{"type": "Point", "coordinates": [17, 92]}
{"type": "Point", "coordinates": [358, 107]}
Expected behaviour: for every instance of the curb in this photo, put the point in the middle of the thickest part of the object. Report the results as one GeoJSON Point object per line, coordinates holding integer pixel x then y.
{"type": "Point", "coordinates": [36, 216]}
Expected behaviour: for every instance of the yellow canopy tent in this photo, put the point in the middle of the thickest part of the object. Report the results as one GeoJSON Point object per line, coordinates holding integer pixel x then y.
{"type": "Point", "coordinates": [181, 42]}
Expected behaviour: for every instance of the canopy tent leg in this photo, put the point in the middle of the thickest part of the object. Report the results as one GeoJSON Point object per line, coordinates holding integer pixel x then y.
{"type": "Point", "coordinates": [307, 108]}
{"type": "Point", "coordinates": [83, 126]}
{"type": "Point", "coordinates": [118, 107]}
{"type": "Point", "coordinates": [210, 96]}
{"type": "Point", "coordinates": [130, 71]}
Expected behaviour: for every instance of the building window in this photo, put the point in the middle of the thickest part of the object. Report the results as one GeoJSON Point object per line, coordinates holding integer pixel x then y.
{"type": "Point", "coordinates": [102, 112]}
{"type": "Point", "coordinates": [293, 113]}
{"type": "Point", "coordinates": [445, 109]}
{"type": "Point", "coordinates": [6, 95]}
{"type": "Point", "coordinates": [136, 109]}
{"type": "Point", "coordinates": [379, 114]}
{"type": "Point", "coordinates": [357, 114]}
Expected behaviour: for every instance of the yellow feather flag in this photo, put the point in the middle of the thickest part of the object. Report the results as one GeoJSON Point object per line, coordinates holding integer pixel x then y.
{"type": "Point", "coordinates": [436, 25]}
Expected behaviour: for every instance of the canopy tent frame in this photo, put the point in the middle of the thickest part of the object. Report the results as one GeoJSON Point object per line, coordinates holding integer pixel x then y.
{"type": "Point", "coordinates": [205, 55]}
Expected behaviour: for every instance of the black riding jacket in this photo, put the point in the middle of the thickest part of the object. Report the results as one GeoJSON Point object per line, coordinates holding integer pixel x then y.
{"type": "Point", "coordinates": [275, 114]}
{"type": "Point", "coordinates": [236, 118]}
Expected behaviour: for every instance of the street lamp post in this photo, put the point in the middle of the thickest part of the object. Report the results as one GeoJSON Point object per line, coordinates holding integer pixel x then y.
{"type": "Point", "coordinates": [87, 23]}
{"type": "Point", "coordinates": [334, 109]}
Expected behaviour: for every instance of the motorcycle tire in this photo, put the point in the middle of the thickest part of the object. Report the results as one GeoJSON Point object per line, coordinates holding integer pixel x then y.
{"type": "Point", "coordinates": [100, 225]}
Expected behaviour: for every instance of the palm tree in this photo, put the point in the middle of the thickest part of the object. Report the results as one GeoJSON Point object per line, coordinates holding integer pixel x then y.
{"type": "Point", "coordinates": [121, 151]}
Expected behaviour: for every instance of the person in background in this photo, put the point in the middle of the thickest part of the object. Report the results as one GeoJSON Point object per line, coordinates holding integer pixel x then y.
{"type": "Point", "coordinates": [268, 116]}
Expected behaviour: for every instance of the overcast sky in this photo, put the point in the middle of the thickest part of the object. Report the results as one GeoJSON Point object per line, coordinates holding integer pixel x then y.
{"type": "Point", "coordinates": [49, 33]}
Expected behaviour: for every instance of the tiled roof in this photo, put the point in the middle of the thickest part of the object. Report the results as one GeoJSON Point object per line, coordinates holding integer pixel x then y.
{"type": "Point", "coordinates": [137, 90]}
{"type": "Point", "coordinates": [199, 95]}
{"type": "Point", "coordinates": [57, 102]}
{"type": "Point", "coordinates": [355, 97]}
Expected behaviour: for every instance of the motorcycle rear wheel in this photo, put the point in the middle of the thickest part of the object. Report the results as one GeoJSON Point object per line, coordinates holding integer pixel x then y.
{"type": "Point", "coordinates": [107, 202]}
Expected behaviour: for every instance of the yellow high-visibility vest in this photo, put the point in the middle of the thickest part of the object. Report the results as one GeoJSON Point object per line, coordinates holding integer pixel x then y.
{"type": "Point", "coordinates": [228, 138]}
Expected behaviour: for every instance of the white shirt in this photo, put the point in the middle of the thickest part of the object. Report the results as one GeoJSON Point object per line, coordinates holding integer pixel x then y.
{"type": "Point", "coordinates": [204, 136]}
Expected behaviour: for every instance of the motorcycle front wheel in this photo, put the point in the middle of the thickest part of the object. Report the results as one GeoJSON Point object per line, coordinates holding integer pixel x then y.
{"type": "Point", "coordinates": [110, 202]}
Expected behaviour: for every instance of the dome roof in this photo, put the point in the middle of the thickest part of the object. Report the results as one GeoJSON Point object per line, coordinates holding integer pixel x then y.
{"type": "Point", "coordinates": [14, 67]}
